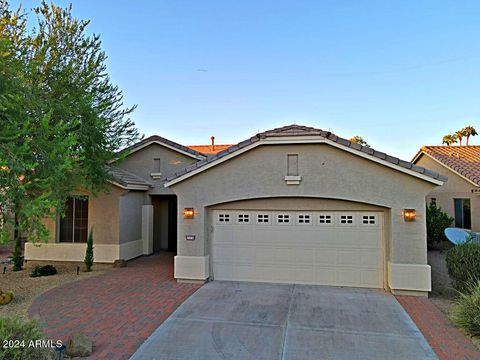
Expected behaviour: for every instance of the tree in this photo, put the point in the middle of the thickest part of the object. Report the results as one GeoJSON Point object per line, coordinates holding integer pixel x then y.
{"type": "Point", "coordinates": [359, 140]}
{"type": "Point", "coordinates": [449, 139]}
{"type": "Point", "coordinates": [460, 134]}
{"type": "Point", "coordinates": [469, 131]}
{"type": "Point", "coordinates": [437, 222]}
{"type": "Point", "coordinates": [61, 118]}
{"type": "Point", "coordinates": [89, 252]}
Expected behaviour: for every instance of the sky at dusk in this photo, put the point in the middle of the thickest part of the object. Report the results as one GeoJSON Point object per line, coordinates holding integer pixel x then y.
{"type": "Point", "coordinates": [399, 73]}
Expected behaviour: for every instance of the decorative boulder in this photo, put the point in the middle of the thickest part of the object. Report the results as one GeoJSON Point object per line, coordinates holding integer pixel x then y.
{"type": "Point", "coordinates": [5, 297]}
{"type": "Point", "coordinates": [79, 345]}
{"type": "Point", "coordinates": [119, 263]}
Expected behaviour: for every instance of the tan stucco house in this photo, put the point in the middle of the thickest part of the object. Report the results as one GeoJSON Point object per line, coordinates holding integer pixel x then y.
{"type": "Point", "coordinates": [460, 196]}
{"type": "Point", "coordinates": [290, 205]}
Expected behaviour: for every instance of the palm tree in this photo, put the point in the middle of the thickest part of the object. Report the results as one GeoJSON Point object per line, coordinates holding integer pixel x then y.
{"type": "Point", "coordinates": [449, 139]}
{"type": "Point", "coordinates": [469, 131]}
{"type": "Point", "coordinates": [460, 134]}
{"type": "Point", "coordinates": [359, 140]}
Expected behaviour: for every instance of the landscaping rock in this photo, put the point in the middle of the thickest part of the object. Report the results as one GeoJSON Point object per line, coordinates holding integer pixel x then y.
{"type": "Point", "coordinates": [79, 345]}
{"type": "Point", "coordinates": [119, 263]}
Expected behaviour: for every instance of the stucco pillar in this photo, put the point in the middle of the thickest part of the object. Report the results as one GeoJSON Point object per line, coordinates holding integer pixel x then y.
{"type": "Point", "coordinates": [147, 229]}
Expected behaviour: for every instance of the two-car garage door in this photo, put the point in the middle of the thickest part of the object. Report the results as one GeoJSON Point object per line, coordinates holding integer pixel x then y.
{"type": "Point", "coordinates": [304, 247]}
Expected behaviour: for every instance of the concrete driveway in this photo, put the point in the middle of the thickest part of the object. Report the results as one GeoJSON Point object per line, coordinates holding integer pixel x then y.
{"type": "Point", "coordinates": [240, 320]}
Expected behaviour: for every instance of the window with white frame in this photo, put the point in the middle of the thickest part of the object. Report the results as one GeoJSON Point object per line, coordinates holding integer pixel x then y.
{"type": "Point", "coordinates": [224, 218]}
{"type": "Point", "coordinates": [369, 219]}
{"type": "Point", "coordinates": [283, 218]}
{"type": "Point", "coordinates": [263, 218]}
{"type": "Point", "coordinates": [243, 218]}
{"type": "Point", "coordinates": [304, 219]}
{"type": "Point", "coordinates": [346, 219]}
{"type": "Point", "coordinates": [324, 219]}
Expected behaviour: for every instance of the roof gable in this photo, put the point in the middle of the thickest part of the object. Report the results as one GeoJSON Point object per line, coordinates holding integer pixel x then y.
{"type": "Point", "coordinates": [155, 139]}
{"type": "Point", "coordinates": [304, 134]}
{"type": "Point", "coordinates": [462, 160]}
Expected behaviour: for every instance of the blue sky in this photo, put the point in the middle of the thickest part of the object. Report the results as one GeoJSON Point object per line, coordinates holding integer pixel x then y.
{"type": "Point", "coordinates": [401, 74]}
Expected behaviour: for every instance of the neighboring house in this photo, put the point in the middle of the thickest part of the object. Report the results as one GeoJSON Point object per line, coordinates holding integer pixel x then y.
{"type": "Point", "coordinates": [460, 196]}
{"type": "Point", "coordinates": [289, 205]}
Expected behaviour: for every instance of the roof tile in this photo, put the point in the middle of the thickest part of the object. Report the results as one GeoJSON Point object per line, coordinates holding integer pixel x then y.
{"type": "Point", "coordinates": [465, 160]}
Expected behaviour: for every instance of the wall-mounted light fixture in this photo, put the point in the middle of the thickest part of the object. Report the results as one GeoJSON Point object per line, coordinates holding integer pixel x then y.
{"type": "Point", "coordinates": [409, 214]}
{"type": "Point", "coordinates": [188, 213]}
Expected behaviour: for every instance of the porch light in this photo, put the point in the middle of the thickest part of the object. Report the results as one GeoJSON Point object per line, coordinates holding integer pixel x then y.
{"type": "Point", "coordinates": [409, 214]}
{"type": "Point", "coordinates": [188, 213]}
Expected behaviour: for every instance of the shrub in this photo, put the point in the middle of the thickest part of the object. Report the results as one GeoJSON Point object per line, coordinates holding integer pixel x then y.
{"type": "Point", "coordinates": [5, 297]}
{"type": "Point", "coordinates": [45, 270]}
{"type": "Point", "coordinates": [463, 264]}
{"type": "Point", "coordinates": [18, 330]}
{"type": "Point", "coordinates": [437, 222]}
{"type": "Point", "coordinates": [466, 312]}
{"type": "Point", "coordinates": [89, 252]}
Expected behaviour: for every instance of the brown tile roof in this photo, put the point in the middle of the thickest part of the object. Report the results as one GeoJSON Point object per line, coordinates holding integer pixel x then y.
{"type": "Point", "coordinates": [299, 130]}
{"type": "Point", "coordinates": [464, 160]}
{"type": "Point", "coordinates": [207, 149]}
{"type": "Point", "coordinates": [127, 179]}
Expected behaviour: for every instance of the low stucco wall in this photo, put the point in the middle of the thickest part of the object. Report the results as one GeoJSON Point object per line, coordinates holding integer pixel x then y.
{"type": "Point", "coordinates": [327, 173]}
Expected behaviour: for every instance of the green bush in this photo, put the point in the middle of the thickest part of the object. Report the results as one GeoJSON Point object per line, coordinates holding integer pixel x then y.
{"type": "Point", "coordinates": [45, 270]}
{"type": "Point", "coordinates": [466, 312]}
{"type": "Point", "coordinates": [437, 222]}
{"type": "Point", "coordinates": [89, 252]}
{"type": "Point", "coordinates": [463, 264]}
{"type": "Point", "coordinates": [21, 332]}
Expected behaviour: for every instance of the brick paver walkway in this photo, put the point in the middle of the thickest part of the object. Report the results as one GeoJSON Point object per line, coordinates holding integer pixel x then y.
{"type": "Point", "coordinates": [118, 310]}
{"type": "Point", "coordinates": [445, 339]}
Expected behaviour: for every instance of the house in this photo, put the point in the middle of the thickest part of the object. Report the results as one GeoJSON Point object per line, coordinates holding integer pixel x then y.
{"type": "Point", "coordinates": [290, 205]}
{"type": "Point", "coordinates": [460, 196]}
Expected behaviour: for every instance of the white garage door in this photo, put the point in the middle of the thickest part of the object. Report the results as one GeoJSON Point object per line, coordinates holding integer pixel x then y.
{"type": "Point", "coordinates": [304, 247]}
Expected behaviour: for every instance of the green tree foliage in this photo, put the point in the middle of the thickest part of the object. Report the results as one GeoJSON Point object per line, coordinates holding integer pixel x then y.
{"type": "Point", "coordinates": [89, 252]}
{"type": "Point", "coordinates": [449, 140]}
{"type": "Point", "coordinates": [469, 131]}
{"type": "Point", "coordinates": [437, 222]}
{"type": "Point", "coordinates": [61, 118]}
{"type": "Point", "coordinates": [359, 140]}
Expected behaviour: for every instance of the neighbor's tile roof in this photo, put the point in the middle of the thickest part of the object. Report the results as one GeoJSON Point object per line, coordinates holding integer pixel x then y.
{"type": "Point", "coordinates": [126, 178]}
{"type": "Point", "coordinates": [299, 130]}
{"type": "Point", "coordinates": [464, 160]}
{"type": "Point", "coordinates": [207, 149]}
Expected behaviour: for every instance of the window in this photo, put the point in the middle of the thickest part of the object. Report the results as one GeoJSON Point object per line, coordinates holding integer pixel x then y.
{"type": "Point", "coordinates": [74, 225]}
{"type": "Point", "coordinates": [368, 219]}
{"type": "Point", "coordinates": [304, 219]}
{"type": "Point", "coordinates": [263, 218]}
{"type": "Point", "coordinates": [292, 164]}
{"type": "Point", "coordinates": [283, 219]}
{"type": "Point", "coordinates": [243, 218]}
{"type": "Point", "coordinates": [223, 218]}
{"type": "Point", "coordinates": [156, 165]}
{"type": "Point", "coordinates": [463, 213]}
{"type": "Point", "coordinates": [325, 219]}
{"type": "Point", "coordinates": [346, 219]}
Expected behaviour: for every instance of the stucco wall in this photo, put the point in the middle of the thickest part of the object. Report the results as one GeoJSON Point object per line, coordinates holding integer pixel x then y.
{"type": "Point", "coordinates": [142, 164]}
{"type": "Point", "coordinates": [455, 188]}
{"type": "Point", "coordinates": [130, 208]}
{"type": "Point", "coordinates": [103, 216]}
{"type": "Point", "coordinates": [326, 172]}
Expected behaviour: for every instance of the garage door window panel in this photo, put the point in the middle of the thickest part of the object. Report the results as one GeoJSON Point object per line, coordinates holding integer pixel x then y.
{"type": "Point", "coordinates": [304, 219]}
{"type": "Point", "coordinates": [283, 219]}
{"type": "Point", "coordinates": [347, 220]}
{"type": "Point", "coordinates": [263, 218]}
{"type": "Point", "coordinates": [243, 218]}
{"type": "Point", "coordinates": [369, 220]}
{"type": "Point", "coordinates": [325, 219]}
{"type": "Point", "coordinates": [223, 218]}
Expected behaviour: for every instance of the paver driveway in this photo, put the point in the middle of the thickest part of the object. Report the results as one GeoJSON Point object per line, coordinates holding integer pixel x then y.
{"type": "Point", "coordinates": [118, 310]}
{"type": "Point", "coordinates": [238, 320]}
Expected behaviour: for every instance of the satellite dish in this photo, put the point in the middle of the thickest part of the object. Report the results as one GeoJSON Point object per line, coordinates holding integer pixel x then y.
{"type": "Point", "coordinates": [460, 236]}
